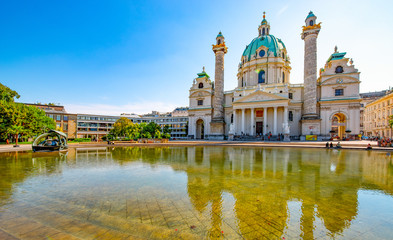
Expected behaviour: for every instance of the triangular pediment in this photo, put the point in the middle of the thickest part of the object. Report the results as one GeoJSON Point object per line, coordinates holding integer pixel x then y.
{"type": "Point", "coordinates": [260, 96]}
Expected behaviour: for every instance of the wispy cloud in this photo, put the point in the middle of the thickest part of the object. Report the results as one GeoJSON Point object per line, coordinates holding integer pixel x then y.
{"type": "Point", "coordinates": [106, 109]}
{"type": "Point", "coordinates": [282, 10]}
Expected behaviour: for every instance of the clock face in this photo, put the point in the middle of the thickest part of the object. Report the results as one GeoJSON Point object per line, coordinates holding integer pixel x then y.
{"type": "Point", "coordinates": [339, 80]}
{"type": "Point", "coordinates": [262, 53]}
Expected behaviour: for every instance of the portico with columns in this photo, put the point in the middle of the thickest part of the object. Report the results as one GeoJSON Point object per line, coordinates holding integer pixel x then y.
{"type": "Point", "coordinates": [259, 113]}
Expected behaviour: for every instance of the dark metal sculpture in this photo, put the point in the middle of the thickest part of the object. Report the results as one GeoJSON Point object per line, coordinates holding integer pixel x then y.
{"type": "Point", "coordinates": [51, 141]}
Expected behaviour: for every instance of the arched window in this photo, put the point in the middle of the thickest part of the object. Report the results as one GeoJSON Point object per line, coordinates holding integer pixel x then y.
{"type": "Point", "coordinates": [200, 85]}
{"type": "Point", "coordinates": [267, 31]}
{"type": "Point", "coordinates": [339, 69]}
{"type": "Point", "coordinates": [283, 77]}
{"type": "Point", "coordinates": [232, 118]}
{"type": "Point", "coordinates": [219, 41]}
{"type": "Point", "coordinates": [263, 31]}
{"type": "Point", "coordinates": [311, 22]}
{"type": "Point", "coordinates": [261, 76]}
{"type": "Point", "coordinates": [242, 82]}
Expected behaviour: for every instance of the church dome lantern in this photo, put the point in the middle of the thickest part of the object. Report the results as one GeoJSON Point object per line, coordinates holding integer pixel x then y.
{"type": "Point", "coordinates": [265, 45]}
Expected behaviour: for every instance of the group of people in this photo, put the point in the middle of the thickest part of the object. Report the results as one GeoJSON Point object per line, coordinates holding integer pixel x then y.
{"type": "Point", "coordinates": [385, 142]}
{"type": "Point", "coordinates": [330, 145]}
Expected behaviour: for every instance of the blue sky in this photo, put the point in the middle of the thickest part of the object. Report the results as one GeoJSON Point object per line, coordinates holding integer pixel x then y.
{"type": "Point", "coordinates": [111, 57]}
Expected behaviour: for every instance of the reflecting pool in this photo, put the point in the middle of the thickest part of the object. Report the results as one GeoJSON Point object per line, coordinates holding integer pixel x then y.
{"type": "Point", "coordinates": [196, 193]}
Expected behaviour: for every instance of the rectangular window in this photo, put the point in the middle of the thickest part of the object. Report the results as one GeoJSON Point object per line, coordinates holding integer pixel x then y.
{"type": "Point", "coordinates": [200, 102]}
{"type": "Point", "coordinates": [290, 95]}
{"type": "Point", "coordinates": [65, 118]}
{"type": "Point", "coordinates": [339, 92]}
{"type": "Point", "coordinates": [51, 115]}
{"type": "Point", "coordinates": [290, 116]}
{"type": "Point", "coordinates": [65, 126]}
{"type": "Point", "coordinates": [58, 117]}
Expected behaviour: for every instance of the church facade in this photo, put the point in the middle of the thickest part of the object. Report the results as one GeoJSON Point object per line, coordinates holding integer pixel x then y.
{"type": "Point", "coordinates": [266, 103]}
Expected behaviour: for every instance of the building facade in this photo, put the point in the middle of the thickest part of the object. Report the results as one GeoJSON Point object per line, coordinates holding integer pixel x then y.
{"type": "Point", "coordinates": [265, 102]}
{"type": "Point", "coordinates": [96, 126]}
{"type": "Point", "coordinates": [65, 122]}
{"type": "Point", "coordinates": [376, 116]}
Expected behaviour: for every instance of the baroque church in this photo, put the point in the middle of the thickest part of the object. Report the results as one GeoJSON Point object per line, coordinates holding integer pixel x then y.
{"type": "Point", "coordinates": [266, 103]}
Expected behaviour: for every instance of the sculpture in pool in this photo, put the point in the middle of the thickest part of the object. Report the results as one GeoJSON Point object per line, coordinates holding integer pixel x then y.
{"type": "Point", "coordinates": [51, 141]}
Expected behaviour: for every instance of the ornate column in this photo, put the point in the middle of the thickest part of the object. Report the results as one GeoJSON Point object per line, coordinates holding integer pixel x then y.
{"type": "Point", "coordinates": [285, 115]}
{"type": "Point", "coordinates": [234, 121]}
{"type": "Point", "coordinates": [310, 117]}
{"type": "Point", "coordinates": [243, 120]}
{"type": "Point", "coordinates": [252, 122]}
{"type": "Point", "coordinates": [275, 121]}
{"type": "Point", "coordinates": [264, 120]}
{"type": "Point", "coordinates": [217, 125]}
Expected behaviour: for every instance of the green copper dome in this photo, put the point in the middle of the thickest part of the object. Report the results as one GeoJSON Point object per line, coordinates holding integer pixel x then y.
{"type": "Point", "coordinates": [274, 45]}
{"type": "Point", "coordinates": [310, 14]}
{"type": "Point", "coordinates": [219, 35]}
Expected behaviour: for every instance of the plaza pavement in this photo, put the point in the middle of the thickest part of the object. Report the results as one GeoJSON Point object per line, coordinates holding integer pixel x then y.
{"type": "Point", "coordinates": [298, 144]}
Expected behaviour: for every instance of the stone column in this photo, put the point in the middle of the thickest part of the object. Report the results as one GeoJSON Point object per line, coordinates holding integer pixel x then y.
{"type": "Point", "coordinates": [217, 124]}
{"type": "Point", "coordinates": [310, 72]}
{"type": "Point", "coordinates": [218, 100]}
{"type": "Point", "coordinates": [310, 117]}
{"type": "Point", "coordinates": [252, 122]}
{"type": "Point", "coordinates": [264, 120]}
{"type": "Point", "coordinates": [243, 120]}
{"type": "Point", "coordinates": [234, 121]}
{"type": "Point", "coordinates": [275, 121]}
{"type": "Point", "coordinates": [285, 118]}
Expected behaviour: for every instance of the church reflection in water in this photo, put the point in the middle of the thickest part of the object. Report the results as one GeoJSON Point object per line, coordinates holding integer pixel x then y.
{"type": "Point", "coordinates": [255, 192]}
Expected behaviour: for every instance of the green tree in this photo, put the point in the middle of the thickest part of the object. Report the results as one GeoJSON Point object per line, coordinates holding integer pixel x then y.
{"type": "Point", "coordinates": [7, 94]}
{"type": "Point", "coordinates": [121, 126]}
{"type": "Point", "coordinates": [154, 129]}
{"type": "Point", "coordinates": [19, 120]}
{"type": "Point", "coordinates": [391, 121]}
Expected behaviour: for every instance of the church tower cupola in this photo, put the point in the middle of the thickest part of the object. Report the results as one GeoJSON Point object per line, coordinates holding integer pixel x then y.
{"type": "Point", "coordinates": [264, 28]}
{"type": "Point", "coordinates": [220, 38]}
{"type": "Point", "coordinates": [310, 19]}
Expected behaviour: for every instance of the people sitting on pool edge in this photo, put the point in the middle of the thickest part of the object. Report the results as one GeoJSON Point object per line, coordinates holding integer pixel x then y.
{"type": "Point", "coordinates": [369, 147]}
{"type": "Point", "coordinates": [338, 145]}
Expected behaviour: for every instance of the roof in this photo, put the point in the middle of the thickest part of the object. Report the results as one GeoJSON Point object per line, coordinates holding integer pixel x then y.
{"type": "Point", "coordinates": [203, 74]}
{"type": "Point", "coordinates": [336, 56]}
{"type": "Point", "coordinates": [220, 34]}
{"type": "Point", "coordinates": [310, 14]}
{"type": "Point", "coordinates": [269, 41]}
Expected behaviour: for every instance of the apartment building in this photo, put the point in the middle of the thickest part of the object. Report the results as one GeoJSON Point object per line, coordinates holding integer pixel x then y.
{"type": "Point", "coordinates": [377, 114]}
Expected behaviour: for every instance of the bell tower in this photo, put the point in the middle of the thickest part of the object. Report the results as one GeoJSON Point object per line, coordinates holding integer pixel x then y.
{"type": "Point", "coordinates": [217, 125]}
{"type": "Point", "coordinates": [310, 118]}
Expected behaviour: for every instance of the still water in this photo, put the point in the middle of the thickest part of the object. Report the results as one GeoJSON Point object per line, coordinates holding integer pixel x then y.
{"type": "Point", "coordinates": [196, 193]}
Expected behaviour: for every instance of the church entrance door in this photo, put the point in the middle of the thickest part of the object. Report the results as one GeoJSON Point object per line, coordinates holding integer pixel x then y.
{"type": "Point", "coordinates": [338, 126]}
{"type": "Point", "coordinates": [200, 129]}
{"type": "Point", "coordinates": [259, 128]}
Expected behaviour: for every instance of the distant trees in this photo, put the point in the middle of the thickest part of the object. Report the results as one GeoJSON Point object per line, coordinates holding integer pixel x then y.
{"type": "Point", "coordinates": [125, 128]}
{"type": "Point", "coordinates": [19, 120]}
